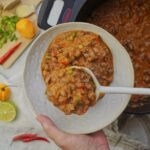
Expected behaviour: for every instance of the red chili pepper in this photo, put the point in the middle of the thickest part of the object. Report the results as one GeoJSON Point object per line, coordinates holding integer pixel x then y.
{"type": "Point", "coordinates": [35, 139]}
{"type": "Point", "coordinates": [9, 53]}
{"type": "Point", "coordinates": [24, 136]}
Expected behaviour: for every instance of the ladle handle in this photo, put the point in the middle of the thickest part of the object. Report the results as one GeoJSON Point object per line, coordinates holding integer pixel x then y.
{"type": "Point", "coordinates": [124, 90]}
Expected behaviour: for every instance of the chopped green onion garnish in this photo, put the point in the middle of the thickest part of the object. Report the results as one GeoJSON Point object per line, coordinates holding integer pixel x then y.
{"type": "Point", "coordinates": [70, 71]}
{"type": "Point", "coordinates": [72, 36]}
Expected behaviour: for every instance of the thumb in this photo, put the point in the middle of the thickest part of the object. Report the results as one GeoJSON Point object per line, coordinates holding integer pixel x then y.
{"type": "Point", "coordinates": [52, 131]}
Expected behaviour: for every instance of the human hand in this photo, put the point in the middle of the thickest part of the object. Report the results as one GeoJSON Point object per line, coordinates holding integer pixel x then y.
{"type": "Point", "coordinates": [95, 141]}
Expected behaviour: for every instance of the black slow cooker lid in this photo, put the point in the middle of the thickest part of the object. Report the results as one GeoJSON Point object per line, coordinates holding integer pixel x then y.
{"type": "Point", "coordinates": [54, 12]}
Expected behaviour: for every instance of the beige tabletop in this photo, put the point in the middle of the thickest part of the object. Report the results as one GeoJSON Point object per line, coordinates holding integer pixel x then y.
{"type": "Point", "coordinates": [26, 122]}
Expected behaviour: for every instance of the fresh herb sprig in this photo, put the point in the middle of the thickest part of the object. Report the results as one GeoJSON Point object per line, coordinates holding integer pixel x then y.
{"type": "Point", "coordinates": [7, 29]}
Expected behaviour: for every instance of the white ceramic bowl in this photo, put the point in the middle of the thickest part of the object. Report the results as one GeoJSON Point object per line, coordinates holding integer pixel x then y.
{"type": "Point", "coordinates": [106, 110]}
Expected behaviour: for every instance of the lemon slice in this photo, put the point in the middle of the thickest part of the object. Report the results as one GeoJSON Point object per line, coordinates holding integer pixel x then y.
{"type": "Point", "coordinates": [7, 112]}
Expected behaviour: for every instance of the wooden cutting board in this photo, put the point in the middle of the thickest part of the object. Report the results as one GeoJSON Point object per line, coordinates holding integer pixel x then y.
{"type": "Point", "coordinates": [25, 42]}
